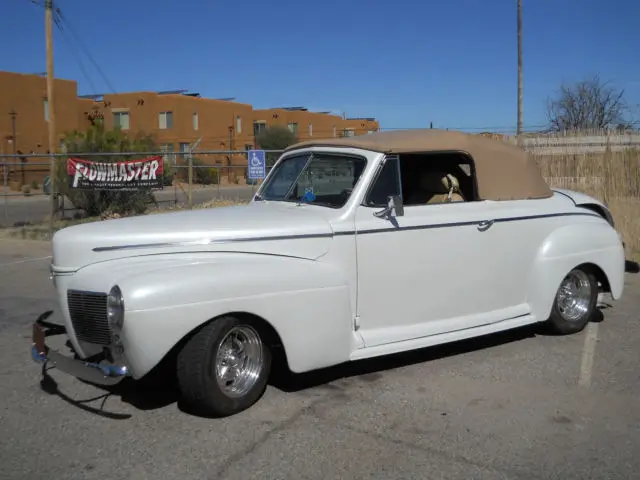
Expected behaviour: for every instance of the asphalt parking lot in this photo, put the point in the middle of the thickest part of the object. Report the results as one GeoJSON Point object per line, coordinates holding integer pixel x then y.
{"type": "Point", "coordinates": [515, 405]}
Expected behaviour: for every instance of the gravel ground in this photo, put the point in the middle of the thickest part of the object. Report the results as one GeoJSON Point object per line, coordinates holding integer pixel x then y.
{"type": "Point", "coordinates": [515, 405]}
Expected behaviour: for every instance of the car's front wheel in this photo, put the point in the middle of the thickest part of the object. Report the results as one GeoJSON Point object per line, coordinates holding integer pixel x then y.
{"type": "Point", "coordinates": [224, 367]}
{"type": "Point", "coordinates": [575, 302]}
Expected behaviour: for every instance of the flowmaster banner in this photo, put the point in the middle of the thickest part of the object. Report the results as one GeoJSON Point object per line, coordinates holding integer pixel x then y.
{"type": "Point", "coordinates": [124, 175]}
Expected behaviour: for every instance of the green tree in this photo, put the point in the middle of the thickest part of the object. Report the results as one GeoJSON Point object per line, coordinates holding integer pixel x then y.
{"type": "Point", "coordinates": [275, 137]}
{"type": "Point", "coordinates": [96, 139]}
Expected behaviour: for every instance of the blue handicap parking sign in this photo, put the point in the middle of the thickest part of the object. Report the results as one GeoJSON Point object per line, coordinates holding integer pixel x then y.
{"type": "Point", "coordinates": [257, 164]}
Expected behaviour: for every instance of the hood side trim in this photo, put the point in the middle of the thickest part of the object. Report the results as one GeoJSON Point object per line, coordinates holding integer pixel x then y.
{"type": "Point", "coordinates": [212, 242]}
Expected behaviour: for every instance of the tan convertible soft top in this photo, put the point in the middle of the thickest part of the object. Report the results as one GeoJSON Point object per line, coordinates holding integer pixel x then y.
{"type": "Point", "coordinates": [504, 171]}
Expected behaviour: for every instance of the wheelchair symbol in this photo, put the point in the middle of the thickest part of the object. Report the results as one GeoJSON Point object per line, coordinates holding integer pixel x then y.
{"type": "Point", "coordinates": [255, 161]}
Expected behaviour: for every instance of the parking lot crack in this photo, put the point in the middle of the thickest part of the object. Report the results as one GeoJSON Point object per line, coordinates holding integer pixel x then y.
{"type": "Point", "coordinates": [433, 451]}
{"type": "Point", "coordinates": [279, 427]}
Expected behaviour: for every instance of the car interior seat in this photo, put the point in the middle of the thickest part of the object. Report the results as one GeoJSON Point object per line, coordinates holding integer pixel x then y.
{"type": "Point", "coordinates": [437, 187]}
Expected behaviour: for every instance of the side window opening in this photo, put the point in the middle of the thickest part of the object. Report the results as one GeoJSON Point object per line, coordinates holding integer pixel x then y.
{"type": "Point", "coordinates": [437, 178]}
{"type": "Point", "coordinates": [426, 179]}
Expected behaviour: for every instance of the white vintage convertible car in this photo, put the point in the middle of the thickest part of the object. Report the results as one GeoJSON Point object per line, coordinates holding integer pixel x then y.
{"type": "Point", "coordinates": [351, 248]}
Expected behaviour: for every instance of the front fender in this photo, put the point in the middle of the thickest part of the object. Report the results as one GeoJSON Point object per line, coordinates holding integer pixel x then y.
{"type": "Point", "coordinates": [306, 302]}
{"type": "Point", "coordinates": [593, 242]}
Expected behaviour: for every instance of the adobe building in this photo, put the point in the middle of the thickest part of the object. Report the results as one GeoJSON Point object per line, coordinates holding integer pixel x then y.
{"type": "Point", "coordinates": [178, 119]}
{"type": "Point", "coordinates": [309, 125]}
{"type": "Point", "coordinates": [175, 118]}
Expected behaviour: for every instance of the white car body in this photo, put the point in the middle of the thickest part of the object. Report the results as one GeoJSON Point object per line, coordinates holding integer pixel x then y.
{"type": "Point", "coordinates": [336, 285]}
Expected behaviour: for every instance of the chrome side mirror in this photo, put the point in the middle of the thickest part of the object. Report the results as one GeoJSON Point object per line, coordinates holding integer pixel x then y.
{"type": "Point", "coordinates": [394, 208]}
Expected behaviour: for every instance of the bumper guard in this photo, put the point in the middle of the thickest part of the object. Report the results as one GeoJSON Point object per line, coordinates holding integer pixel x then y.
{"type": "Point", "coordinates": [102, 373]}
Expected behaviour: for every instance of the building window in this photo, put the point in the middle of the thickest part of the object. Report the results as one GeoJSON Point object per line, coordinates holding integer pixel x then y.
{"type": "Point", "coordinates": [349, 132]}
{"type": "Point", "coordinates": [121, 120]}
{"type": "Point", "coordinates": [238, 125]}
{"type": "Point", "coordinates": [184, 147]}
{"type": "Point", "coordinates": [293, 127]}
{"type": "Point", "coordinates": [195, 120]}
{"type": "Point", "coordinates": [248, 147]}
{"type": "Point", "coordinates": [46, 110]}
{"type": "Point", "coordinates": [168, 147]}
{"type": "Point", "coordinates": [334, 131]}
{"type": "Point", "coordinates": [370, 132]}
{"type": "Point", "coordinates": [259, 127]}
{"type": "Point", "coordinates": [165, 120]}
{"type": "Point", "coordinates": [311, 130]}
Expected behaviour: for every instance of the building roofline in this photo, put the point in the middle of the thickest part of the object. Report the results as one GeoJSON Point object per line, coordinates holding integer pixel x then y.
{"type": "Point", "coordinates": [298, 109]}
{"type": "Point", "coordinates": [37, 74]}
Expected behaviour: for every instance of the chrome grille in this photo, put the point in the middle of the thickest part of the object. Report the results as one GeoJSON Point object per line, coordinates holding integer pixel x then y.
{"type": "Point", "coordinates": [88, 312]}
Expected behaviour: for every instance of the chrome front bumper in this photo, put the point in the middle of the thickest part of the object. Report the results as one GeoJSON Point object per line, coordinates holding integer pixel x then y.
{"type": "Point", "coordinates": [98, 372]}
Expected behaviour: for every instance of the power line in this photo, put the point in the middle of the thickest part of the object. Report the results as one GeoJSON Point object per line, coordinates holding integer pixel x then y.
{"type": "Point", "coordinates": [63, 21]}
{"type": "Point", "coordinates": [321, 134]}
{"type": "Point", "coordinates": [71, 47]}
{"type": "Point", "coordinates": [329, 133]}
{"type": "Point", "coordinates": [59, 22]}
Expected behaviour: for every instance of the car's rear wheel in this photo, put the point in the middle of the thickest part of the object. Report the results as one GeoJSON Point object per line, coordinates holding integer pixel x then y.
{"type": "Point", "coordinates": [575, 302]}
{"type": "Point", "coordinates": [224, 367]}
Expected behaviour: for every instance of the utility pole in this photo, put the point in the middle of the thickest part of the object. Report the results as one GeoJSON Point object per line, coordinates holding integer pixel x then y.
{"type": "Point", "coordinates": [519, 131]}
{"type": "Point", "coordinates": [48, 20]}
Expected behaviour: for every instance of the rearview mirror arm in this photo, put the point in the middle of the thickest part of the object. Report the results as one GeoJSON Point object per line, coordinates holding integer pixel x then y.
{"type": "Point", "coordinates": [394, 208]}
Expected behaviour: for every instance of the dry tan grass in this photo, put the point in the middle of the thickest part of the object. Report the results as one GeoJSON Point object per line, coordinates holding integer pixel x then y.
{"type": "Point", "coordinates": [612, 177]}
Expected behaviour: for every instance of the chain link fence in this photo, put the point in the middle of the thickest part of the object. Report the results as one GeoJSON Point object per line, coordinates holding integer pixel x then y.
{"type": "Point", "coordinates": [188, 179]}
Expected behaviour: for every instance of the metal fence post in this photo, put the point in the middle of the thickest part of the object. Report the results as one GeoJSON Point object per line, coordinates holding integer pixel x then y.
{"type": "Point", "coordinates": [190, 181]}
{"type": "Point", "coordinates": [5, 189]}
{"type": "Point", "coordinates": [219, 180]}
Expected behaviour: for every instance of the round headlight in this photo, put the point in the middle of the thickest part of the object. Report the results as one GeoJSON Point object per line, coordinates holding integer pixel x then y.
{"type": "Point", "coordinates": [115, 308]}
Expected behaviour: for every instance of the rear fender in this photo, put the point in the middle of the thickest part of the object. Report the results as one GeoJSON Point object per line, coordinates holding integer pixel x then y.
{"type": "Point", "coordinates": [306, 302]}
{"type": "Point", "coordinates": [595, 243]}
{"type": "Point", "coordinates": [582, 200]}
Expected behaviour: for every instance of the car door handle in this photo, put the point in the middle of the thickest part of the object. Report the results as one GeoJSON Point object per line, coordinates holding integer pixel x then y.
{"type": "Point", "coordinates": [485, 225]}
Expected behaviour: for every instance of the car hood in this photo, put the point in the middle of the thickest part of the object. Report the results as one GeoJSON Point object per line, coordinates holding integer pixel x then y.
{"type": "Point", "coordinates": [258, 227]}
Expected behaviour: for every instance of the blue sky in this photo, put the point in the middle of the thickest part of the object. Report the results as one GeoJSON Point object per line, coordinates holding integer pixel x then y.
{"type": "Point", "coordinates": [406, 62]}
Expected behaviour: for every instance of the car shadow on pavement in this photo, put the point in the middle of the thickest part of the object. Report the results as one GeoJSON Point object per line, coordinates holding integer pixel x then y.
{"type": "Point", "coordinates": [159, 390]}
{"type": "Point", "coordinates": [50, 386]}
{"type": "Point", "coordinates": [371, 369]}
{"type": "Point", "coordinates": [137, 394]}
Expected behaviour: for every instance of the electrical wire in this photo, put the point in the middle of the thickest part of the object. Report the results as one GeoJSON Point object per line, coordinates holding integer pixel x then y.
{"type": "Point", "coordinates": [75, 54]}
{"type": "Point", "coordinates": [63, 21]}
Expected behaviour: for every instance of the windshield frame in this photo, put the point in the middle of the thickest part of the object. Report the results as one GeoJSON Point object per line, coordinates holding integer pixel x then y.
{"type": "Point", "coordinates": [310, 155]}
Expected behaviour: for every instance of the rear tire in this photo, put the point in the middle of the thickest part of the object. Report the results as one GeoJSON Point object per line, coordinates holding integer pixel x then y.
{"type": "Point", "coordinates": [224, 367]}
{"type": "Point", "coordinates": [575, 302]}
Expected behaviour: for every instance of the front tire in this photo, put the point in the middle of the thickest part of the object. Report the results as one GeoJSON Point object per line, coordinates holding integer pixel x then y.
{"type": "Point", "coordinates": [224, 367]}
{"type": "Point", "coordinates": [575, 302]}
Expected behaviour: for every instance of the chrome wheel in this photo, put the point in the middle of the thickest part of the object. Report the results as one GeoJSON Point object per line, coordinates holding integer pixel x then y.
{"type": "Point", "coordinates": [574, 296]}
{"type": "Point", "coordinates": [239, 361]}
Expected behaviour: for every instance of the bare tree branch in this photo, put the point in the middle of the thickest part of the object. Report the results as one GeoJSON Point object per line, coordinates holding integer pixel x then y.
{"type": "Point", "coordinates": [588, 104]}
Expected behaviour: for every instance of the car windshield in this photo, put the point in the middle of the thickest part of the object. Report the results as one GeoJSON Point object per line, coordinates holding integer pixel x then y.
{"type": "Point", "coordinates": [316, 178]}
